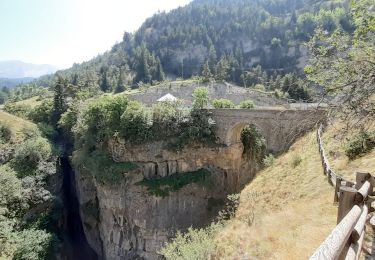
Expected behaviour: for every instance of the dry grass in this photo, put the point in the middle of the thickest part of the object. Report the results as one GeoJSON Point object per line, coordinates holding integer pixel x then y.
{"type": "Point", "coordinates": [293, 206]}
{"type": "Point", "coordinates": [17, 125]}
{"type": "Point", "coordinates": [334, 144]}
{"type": "Point", "coordinates": [30, 102]}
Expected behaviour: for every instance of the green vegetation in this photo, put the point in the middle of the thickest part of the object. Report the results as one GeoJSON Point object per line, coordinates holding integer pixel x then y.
{"type": "Point", "coordinates": [115, 116]}
{"type": "Point", "coordinates": [201, 98]}
{"type": "Point", "coordinates": [247, 104]}
{"type": "Point", "coordinates": [222, 103]}
{"type": "Point", "coordinates": [99, 164]}
{"type": "Point", "coordinates": [297, 159]}
{"type": "Point", "coordinates": [162, 187]}
{"type": "Point", "coordinates": [200, 243]}
{"type": "Point", "coordinates": [5, 133]}
{"type": "Point", "coordinates": [194, 244]}
{"type": "Point", "coordinates": [344, 64]}
{"type": "Point", "coordinates": [254, 143]}
{"type": "Point", "coordinates": [269, 160]}
{"type": "Point", "coordinates": [259, 44]}
{"type": "Point", "coordinates": [30, 154]}
{"type": "Point", "coordinates": [21, 92]}
{"type": "Point", "coordinates": [360, 145]}
{"type": "Point", "coordinates": [25, 198]}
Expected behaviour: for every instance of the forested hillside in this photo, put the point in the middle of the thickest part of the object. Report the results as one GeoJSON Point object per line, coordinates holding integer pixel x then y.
{"type": "Point", "coordinates": [247, 42]}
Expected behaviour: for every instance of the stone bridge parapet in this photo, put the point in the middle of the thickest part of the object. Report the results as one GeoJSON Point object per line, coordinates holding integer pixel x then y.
{"type": "Point", "coordinates": [279, 127]}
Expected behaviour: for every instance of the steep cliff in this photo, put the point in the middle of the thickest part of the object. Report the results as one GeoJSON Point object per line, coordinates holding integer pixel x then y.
{"type": "Point", "coordinates": [132, 219]}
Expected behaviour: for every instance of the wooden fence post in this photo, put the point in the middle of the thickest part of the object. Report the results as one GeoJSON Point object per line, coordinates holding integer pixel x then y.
{"type": "Point", "coordinates": [346, 203]}
{"type": "Point", "coordinates": [361, 178]}
{"type": "Point", "coordinates": [337, 189]}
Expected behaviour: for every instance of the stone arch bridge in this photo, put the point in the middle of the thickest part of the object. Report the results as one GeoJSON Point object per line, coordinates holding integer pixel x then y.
{"type": "Point", "coordinates": [279, 127]}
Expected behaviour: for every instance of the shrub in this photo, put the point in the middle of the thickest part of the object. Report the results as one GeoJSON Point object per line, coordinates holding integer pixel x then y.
{"type": "Point", "coordinates": [33, 244]}
{"type": "Point", "coordinates": [200, 243]}
{"type": "Point", "coordinates": [222, 103]}
{"type": "Point", "coordinates": [201, 98]}
{"type": "Point", "coordinates": [199, 127]}
{"type": "Point", "coordinates": [296, 160]}
{"type": "Point", "coordinates": [260, 87]}
{"type": "Point", "coordinates": [101, 166]}
{"type": "Point", "coordinates": [278, 93]}
{"type": "Point", "coordinates": [269, 160]}
{"type": "Point", "coordinates": [253, 142]}
{"type": "Point", "coordinates": [194, 244]}
{"type": "Point", "coordinates": [42, 113]}
{"type": "Point", "coordinates": [47, 130]}
{"type": "Point", "coordinates": [30, 154]}
{"type": "Point", "coordinates": [165, 120]}
{"type": "Point", "coordinates": [360, 145]}
{"type": "Point", "coordinates": [10, 190]}
{"type": "Point", "coordinates": [247, 104]}
{"type": "Point", "coordinates": [18, 109]}
{"type": "Point", "coordinates": [134, 123]}
{"type": "Point", "coordinates": [100, 120]}
{"type": "Point", "coordinates": [5, 133]}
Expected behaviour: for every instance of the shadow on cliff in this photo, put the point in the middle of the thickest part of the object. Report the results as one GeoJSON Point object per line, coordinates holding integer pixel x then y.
{"type": "Point", "coordinates": [75, 243]}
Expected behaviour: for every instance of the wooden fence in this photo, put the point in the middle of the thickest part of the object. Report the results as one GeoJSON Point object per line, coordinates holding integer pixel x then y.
{"type": "Point", "coordinates": [354, 199]}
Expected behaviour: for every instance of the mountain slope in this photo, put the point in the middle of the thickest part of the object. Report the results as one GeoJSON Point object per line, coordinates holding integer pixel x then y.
{"type": "Point", "coordinates": [292, 203]}
{"type": "Point", "coordinates": [12, 82]}
{"type": "Point", "coordinates": [19, 69]}
{"type": "Point", "coordinates": [231, 36]}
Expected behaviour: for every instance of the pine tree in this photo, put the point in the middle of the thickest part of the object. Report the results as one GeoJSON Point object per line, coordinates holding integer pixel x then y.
{"type": "Point", "coordinates": [59, 100]}
{"type": "Point", "coordinates": [222, 69]}
{"type": "Point", "coordinates": [206, 72]}
{"type": "Point", "coordinates": [212, 58]}
{"type": "Point", "coordinates": [104, 85]}
{"type": "Point", "coordinates": [160, 76]}
{"type": "Point", "coordinates": [120, 86]}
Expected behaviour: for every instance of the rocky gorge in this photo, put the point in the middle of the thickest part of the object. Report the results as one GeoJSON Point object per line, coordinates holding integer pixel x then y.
{"type": "Point", "coordinates": [127, 221]}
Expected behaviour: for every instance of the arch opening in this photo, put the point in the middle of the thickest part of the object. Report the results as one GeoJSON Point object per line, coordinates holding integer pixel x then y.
{"type": "Point", "coordinates": [251, 136]}
{"type": "Point", "coordinates": [254, 144]}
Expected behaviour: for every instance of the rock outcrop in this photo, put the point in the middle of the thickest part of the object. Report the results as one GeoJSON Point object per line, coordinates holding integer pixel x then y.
{"type": "Point", "coordinates": [125, 221]}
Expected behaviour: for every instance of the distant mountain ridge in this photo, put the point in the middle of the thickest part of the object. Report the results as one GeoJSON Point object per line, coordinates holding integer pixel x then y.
{"type": "Point", "coordinates": [18, 69]}
{"type": "Point", "coordinates": [10, 83]}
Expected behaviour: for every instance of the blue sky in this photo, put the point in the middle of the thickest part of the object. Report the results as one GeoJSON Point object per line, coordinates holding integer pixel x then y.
{"type": "Point", "coordinates": [61, 32]}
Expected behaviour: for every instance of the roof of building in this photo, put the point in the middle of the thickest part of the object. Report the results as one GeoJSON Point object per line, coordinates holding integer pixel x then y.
{"type": "Point", "coordinates": [167, 98]}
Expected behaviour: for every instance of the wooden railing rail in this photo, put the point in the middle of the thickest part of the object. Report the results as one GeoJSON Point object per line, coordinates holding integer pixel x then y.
{"type": "Point", "coordinates": [346, 239]}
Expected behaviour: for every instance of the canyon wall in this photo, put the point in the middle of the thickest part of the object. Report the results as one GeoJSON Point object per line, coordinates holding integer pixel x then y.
{"type": "Point", "coordinates": [126, 221]}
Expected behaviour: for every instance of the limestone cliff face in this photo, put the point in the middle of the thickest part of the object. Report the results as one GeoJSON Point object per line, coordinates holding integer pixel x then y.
{"type": "Point", "coordinates": [124, 221]}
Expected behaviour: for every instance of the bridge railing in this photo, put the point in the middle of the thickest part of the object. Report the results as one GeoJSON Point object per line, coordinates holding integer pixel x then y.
{"type": "Point", "coordinates": [346, 239]}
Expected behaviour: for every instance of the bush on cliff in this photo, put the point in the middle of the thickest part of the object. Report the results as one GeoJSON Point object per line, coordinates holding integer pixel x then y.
{"type": "Point", "coordinates": [222, 103]}
{"type": "Point", "coordinates": [247, 104]}
{"type": "Point", "coordinates": [30, 154]}
{"type": "Point", "coordinates": [110, 116]}
{"type": "Point", "coordinates": [360, 145]}
{"type": "Point", "coordinates": [162, 187]}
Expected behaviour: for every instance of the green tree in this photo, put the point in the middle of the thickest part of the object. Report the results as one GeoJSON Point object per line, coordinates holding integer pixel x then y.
{"type": "Point", "coordinates": [104, 85]}
{"type": "Point", "coordinates": [344, 64]}
{"type": "Point", "coordinates": [212, 58]}
{"type": "Point", "coordinates": [206, 73]}
{"type": "Point", "coordinates": [59, 100]}
{"type": "Point", "coordinates": [120, 86]}
{"type": "Point", "coordinates": [160, 76]}
{"type": "Point", "coordinates": [201, 98]}
{"type": "Point", "coordinates": [222, 69]}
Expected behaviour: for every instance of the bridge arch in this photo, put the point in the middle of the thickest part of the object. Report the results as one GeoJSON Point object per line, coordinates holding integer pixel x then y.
{"type": "Point", "coordinates": [233, 134]}
{"type": "Point", "coordinates": [278, 127]}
